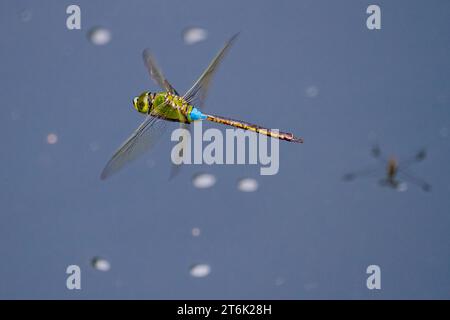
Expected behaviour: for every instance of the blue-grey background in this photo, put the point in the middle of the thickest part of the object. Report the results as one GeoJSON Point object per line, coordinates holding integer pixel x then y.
{"type": "Point", "coordinates": [304, 233]}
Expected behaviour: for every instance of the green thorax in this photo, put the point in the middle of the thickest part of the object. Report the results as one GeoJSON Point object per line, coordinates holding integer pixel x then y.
{"type": "Point", "coordinates": [170, 107]}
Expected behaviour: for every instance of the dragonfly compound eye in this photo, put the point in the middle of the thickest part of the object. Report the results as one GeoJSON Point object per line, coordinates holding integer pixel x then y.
{"type": "Point", "coordinates": [135, 103]}
{"type": "Point", "coordinates": [141, 103]}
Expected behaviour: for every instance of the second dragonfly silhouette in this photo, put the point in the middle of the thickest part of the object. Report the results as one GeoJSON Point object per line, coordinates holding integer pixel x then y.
{"type": "Point", "coordinates": [393, 169]}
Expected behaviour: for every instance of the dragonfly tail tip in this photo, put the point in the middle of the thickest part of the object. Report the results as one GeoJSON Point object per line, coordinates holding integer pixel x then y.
{"type": "Point", "coordinates": [298, 140]}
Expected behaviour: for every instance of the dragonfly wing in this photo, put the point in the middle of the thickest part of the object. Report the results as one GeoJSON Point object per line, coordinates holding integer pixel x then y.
{"type": "Point", "coordinates": [378, 154]}
{"type": "Point", "coordinates": [175, 168]}
{"type": "Point", "coordinates": [155, 72]}
{"type": "Point", "coordinates": [420, 182]}
{"type": "Point", "coordinates": [141, 141]}
{"type": "Point", "coordinates": [418, 157]}
{"type": "Point", "coordinates": [361, 173]}
{"type": "Point", "coordinates": [197, 94]}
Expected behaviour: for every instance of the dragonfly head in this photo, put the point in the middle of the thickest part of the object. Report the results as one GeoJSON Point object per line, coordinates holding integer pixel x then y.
{"type": "Point", "coordinates": [143, 103]}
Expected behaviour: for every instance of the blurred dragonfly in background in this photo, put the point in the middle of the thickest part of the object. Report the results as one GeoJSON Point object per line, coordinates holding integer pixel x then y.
{"type": "Point", "coordinates": [393, 169]}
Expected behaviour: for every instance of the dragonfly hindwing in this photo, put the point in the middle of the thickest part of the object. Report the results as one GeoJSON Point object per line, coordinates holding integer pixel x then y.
{"type": "Point", "coordinates": [197, 94]}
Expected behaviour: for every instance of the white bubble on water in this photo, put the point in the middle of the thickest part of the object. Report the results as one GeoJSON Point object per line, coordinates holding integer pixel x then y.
{"type": "Point", "coordinates": [193, 35]}
{"type": "Point", "coordinates": [99, 36]}
{"type": "Point", "coordinates": [101, 264]}
{"type": "Point", "coordinates": [248, 185]}
{"type": "Point", "coordinates": [195, 232]}
{"type": "Point", "coordinates": [200, 270]}
{"type": "Point", "coordinates": [204, 180]}
{"type": "Point", "coordinates": [52, 138]}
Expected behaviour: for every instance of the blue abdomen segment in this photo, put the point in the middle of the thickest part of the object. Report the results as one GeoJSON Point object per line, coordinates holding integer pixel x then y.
{"type": "Point", "coordinates": [196, 114]}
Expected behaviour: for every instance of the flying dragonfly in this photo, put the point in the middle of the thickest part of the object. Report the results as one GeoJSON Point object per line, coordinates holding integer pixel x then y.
{"type": "Point", "coordinates": [393, 168]}
{"type": "Point", "coordinates": [160, 108]}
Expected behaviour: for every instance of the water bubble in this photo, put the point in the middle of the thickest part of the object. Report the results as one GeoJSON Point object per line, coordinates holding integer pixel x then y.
{"type": "Point", "coordinates": [101, 264]}
{"type": "Point", "coordinates": [25, 15]}
{"type": "Point", "coordinates": [99, 36]}
{"type": "Point", "coordinates": [200, 270]}
{"type": "Point", "coordinates": [195, 232]}
{"type": "Point", "coordinates": [312, 91]}
{"type": "Point", "coordinates": [194, 35]}
{"type": "Point", "coordinates": [203, 180]}
{"type": "Point", "coordinates": [248, 185]}
{"type": "Point", "coordinates": [52, 138]}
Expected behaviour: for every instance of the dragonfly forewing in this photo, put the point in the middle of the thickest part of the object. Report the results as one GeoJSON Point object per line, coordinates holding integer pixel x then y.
{"type": "Point", "coordinates": [142, 140]}
{"type": "Point", "coordinates": [196, 95]}
{"type": "Point", "coordinates": [155, 72]}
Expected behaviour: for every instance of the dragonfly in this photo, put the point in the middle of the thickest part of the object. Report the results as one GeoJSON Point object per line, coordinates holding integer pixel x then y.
{"type": "Point", "coordinates": [161, 108]}
{"type": "Point", "coordinates": [393, 169]}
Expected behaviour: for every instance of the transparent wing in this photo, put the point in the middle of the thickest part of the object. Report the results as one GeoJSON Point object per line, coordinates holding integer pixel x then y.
{"type": "Point", "coordinates": [142, 140]}
{"type": "Point", "coordinates": [197, 94]}
{"type": "Point", "coordinates": [420, 182]}
{"type": "Point", "coordinates": [362, 173]}
{"type": "Point", "coordinates": [370, 170]}
{"type": "Point", "coordinates": [377, 153]}
{"type": "Point", "coordinates": [175, 168]}
{"type": "Point", "coordinates": [155, 72]}
{"type": "Point", "coordinates": [418, 157]}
